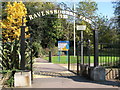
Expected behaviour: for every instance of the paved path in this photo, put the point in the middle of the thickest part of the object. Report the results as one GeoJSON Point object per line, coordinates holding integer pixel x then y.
{"type": "Point", "coordinates": [49, 75]}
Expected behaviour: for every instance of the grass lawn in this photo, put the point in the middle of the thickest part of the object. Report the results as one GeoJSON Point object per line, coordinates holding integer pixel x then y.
{"type": "Point", "coordinates": [63, 59]}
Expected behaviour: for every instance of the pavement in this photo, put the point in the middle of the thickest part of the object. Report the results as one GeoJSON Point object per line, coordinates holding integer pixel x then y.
{"type": "Point", "coordinates": [49, 75]}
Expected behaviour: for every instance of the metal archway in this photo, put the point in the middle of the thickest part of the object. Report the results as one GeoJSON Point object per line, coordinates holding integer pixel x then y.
{"type": "Point", "coordinates": [64, 10]}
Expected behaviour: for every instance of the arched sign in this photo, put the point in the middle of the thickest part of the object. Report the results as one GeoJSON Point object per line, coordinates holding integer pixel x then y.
{"type": "Point", "coordinates": [61, 12]}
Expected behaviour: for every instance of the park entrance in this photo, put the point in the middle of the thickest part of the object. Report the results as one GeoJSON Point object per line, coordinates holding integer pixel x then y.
{"type": "Point", "coordinates": [92, 55]}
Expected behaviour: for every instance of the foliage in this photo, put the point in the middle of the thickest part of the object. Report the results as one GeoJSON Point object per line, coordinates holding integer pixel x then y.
{"type": "Point", "coordinates": [0, 54]}
{"type": "Point", "coordinates": [106, 29]}
{"type": "Point", "coordinates": [87, 8]}
{"type": "Point", "coordinates": [49, 29]}
{"type": "Point", "coordinates": [11, 55]}
{"type": "Point", "coordinates": [36, 48]}
{"type": "Point", "coordinates": [51, 33]}
{"type": "Point", "coordinates": [117, 17]}
{"type": "Point", "coordinates": [13, 13]}
{"type": "Point", "coordinates": [107, 32]}
{"type": "Point", "coordinates": [13, 20]}
{"type": "Point", "coordinates": [54, 51]}
{"type": "Point", "coordinates": [66, 29]}
{"type": "Point", "coordinates": [40, 52]}
{"type": "Point", "coordinates": [11, 59]}
{"type": "Point", "coordinates": [8, 79]}
{"type": "Point", "coordinates": [117, 11]}
{"type": "Point", "coordinates": [43, 30]}
{"type": "Point", "coordinates": [28, 51]}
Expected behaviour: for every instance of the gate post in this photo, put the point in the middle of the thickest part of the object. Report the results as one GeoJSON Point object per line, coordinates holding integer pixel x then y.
{"type": "Point", "coordinates": [88, 51]}
{"type": "Point", "coordinates": [31, 61]}
{"type": "Point", "coordinates": [82, 57]}
{"type": "Point", "coordinates": [95, 36]}
{"type": "Point", "coordinates": [22, 45]}
{"type": "Point", "coordinates": [22, 48]}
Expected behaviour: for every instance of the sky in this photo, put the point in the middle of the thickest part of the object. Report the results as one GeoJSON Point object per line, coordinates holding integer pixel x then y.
{"type": "Point", "coordinates": [105, 7]}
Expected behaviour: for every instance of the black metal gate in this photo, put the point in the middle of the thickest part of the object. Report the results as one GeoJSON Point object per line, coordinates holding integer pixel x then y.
{"type": "Point", "coordinates": [75, 62]}
{"type": "Point", "coordinates": [109, 58]}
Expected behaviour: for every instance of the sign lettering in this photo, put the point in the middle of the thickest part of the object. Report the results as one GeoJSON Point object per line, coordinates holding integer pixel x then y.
{"type": "Point", "coordinates": [63, 12]}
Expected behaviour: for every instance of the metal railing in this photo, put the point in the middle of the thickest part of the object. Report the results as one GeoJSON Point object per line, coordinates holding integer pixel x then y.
{"type": "Point", "coordinates": [109, 55]}
{"type": "Point", "coordinates": [109, 58]}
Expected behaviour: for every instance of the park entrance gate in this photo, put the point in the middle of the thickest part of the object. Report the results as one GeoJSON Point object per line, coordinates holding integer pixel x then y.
{"type": "Point", "coordinates": [90, 53]}
{"type": "Point", "coordinates": [108, 57]}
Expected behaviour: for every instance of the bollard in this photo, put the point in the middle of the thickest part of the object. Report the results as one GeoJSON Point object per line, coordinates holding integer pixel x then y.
{"type": "Point", "coordinates": [77, 61]}
{"type": "Point", "coordinates": [68, 60]}
{"type": "Point", "coordinates": [50, 56]}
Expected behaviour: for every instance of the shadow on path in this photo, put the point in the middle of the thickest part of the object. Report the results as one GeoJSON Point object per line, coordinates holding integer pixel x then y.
{"type": "Point", "coordinates": [57, 71]}
{"type": "Point", "coordinates": [76, 78]}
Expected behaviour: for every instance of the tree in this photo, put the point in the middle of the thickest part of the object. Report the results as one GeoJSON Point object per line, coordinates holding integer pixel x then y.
{"type": "Point", "coordinates": [45, 30]}
{"type": "Point", "coordinates": [117, 16]}
{"type": "Point", "coordinates": [13, 20]}
{"type": "Point", "coordinates": [117, 11]}
{"type": "Point", "coordinates": [107, 32]}
{"type": "Point", "coordinates": [106, 29]}
{"type": "Point", "coordinates": [86, 8]}
{"type": "Point", "coordinates": [13, 12]}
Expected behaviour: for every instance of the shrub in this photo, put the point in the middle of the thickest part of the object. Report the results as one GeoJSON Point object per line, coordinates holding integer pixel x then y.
{"type": "Point", "coordinates": [54, 51]}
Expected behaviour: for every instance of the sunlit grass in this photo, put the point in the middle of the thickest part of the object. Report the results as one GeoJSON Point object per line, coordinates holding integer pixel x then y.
{"type": "Point", "coordinates": [64, 59]}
